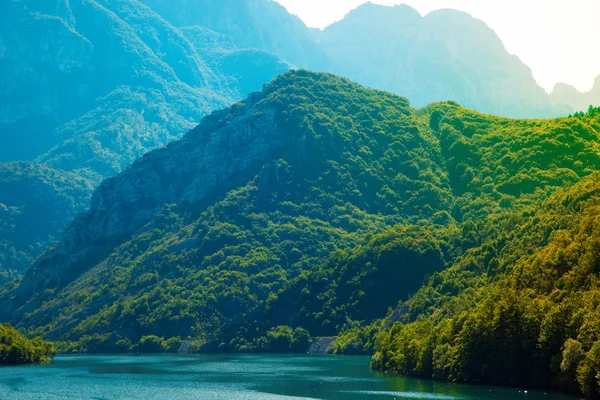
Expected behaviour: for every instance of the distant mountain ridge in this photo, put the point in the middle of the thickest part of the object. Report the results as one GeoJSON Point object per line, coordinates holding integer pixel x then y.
{"type": "Point", "coordinates": [567, 94]}
{"type": "Point", "coordinates": [445, 55]}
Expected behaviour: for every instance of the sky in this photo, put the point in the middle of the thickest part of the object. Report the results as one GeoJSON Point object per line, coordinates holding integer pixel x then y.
{"type": "Point", "coordinates": [557, 39]}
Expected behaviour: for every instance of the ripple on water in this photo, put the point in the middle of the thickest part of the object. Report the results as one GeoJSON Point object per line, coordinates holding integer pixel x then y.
{"type": "Point", "coordinates": [409, 395]}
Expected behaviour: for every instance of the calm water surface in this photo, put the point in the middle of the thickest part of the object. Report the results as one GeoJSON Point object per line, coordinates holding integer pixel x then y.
{"type": "Point", "coordinates": [227, 377]}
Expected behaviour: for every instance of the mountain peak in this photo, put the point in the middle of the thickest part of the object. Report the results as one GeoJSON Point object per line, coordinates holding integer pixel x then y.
{"type": "Point", "coordinates": [564, 88]}
{"type": "Point", "coordinates": [370, 10]}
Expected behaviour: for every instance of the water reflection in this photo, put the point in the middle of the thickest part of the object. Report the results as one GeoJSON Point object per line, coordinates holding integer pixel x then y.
{"type": "Point", "coordinates": [231, 377]}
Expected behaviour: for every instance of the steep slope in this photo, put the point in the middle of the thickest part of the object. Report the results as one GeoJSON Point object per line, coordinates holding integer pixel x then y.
{"type": "Point", "coordinates": [519, 305]}
{"type": "Point", "coordinates": [247, 200]}
{"type": "Point", "coordinates": [108, 81]}
{"type": "Point", "coordinates": [259, 24]}
{"type": "Point", "coordinates": [499, 170]}
{"type": "Point", "coordinates": [446, 55]}
{"type": "Point", "coordinates": [566, 94]}
{"type": "Point", "coordinates": [106, 60]}
{"type": "Point", "coordinates": [520, 309]}
{"type": "Point", "coordinates": [34, 203]}
{"type": "Point", "coordinates": [221, 235]}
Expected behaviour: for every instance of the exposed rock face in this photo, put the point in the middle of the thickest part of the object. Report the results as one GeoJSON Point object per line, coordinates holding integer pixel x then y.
{"type": "Point", "coordinates": [321, 345]}
{"type": "Point", "coordinates": [241, 179]}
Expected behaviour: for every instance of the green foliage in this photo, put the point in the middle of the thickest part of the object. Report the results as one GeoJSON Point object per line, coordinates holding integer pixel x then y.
{"type": "Point", "coordinates": [520, 309]}
{"type": "Point", "coordinates": [17, 349]}
{"type": "Point", "coordinates": [356, 339]}
{"type": "Point", "coordinates": [196, 275]}
{"type": "Point", "coordinates": [36, 204]}
{"type": "Point", "coordinates": [155, 344]}
{"type": "Point", "coordinates": [281, 339]}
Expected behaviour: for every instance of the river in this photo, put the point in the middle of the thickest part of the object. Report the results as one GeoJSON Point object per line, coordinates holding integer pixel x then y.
{"type": "Point", "coordinates": [230, 377]}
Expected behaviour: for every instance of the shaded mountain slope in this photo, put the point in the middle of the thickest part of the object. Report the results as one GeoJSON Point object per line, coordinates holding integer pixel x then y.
{"type": "Point", "coordinates": [127, 55]}
{"type": "Point", "coordinates": [108, 81]}
{"type": "Point", "coordinates": [34, 201]}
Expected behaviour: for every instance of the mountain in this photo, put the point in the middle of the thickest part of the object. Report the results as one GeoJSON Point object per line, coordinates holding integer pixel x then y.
{"type": "Point", "coordinates": [258, 24]}
{"type": "Point", "coordinates": [113, 79]}
{"type": "Point", "coordinates": [518, 309]}
{"type": "Point", "coordinates": [35, 200]}
{"type": "Point", "coordinates": [445, 55]}
{"type": "Point", "coordinates": [108, 81]}
{"type": "Point", "coordinates": [253, 196]}
{"type": "Point", "coordinates": [312, 203]}
{"type": "Point", "coordinates": [567, 94]}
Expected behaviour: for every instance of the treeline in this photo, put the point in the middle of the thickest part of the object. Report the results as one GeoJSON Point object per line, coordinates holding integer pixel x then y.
{"type": "Point", "coordinates": [591, 112]}
{"type": "Point", "coordinates": [522, 309]}
{"type": "Point", "coordinates": [16, 349]}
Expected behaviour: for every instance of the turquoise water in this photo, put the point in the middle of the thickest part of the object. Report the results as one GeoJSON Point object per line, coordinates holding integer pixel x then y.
{"type": "Point", "coordinates": [227, 377]}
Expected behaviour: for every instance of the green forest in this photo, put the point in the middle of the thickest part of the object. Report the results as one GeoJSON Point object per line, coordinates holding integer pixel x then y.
{"type": "Point", "coordinates": [16, 349]}
{"type": "Point", "coordinates": [448, 243]}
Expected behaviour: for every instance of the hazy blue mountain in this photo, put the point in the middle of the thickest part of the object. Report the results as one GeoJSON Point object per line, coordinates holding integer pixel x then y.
{"type": "Point", "coordinates": [568, 95]}
{"type": "Point", "coordinates": [88, 86]}
{"type": "Point", "coordinates": [117, 59]}
{"type": "Point", "coordinates": [260, 24]}
{"type": "Point", "coordinates": [446, 55]}
{"type": "Point", "coordinates": [35, 204]}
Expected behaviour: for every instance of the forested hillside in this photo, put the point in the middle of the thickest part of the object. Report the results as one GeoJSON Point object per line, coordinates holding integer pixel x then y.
{"type": "Point", "coordinates": [34, 202]}
{"type": "Point", "coordinates": [312, 207]}
{"type": "Point", "coordinates": [520, 309]}
{"type": "Point", "coordinates": [86, 87]}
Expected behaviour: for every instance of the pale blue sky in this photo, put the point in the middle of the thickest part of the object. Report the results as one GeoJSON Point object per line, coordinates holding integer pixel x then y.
{"type": "Point", "coordinates": [558, 39]}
